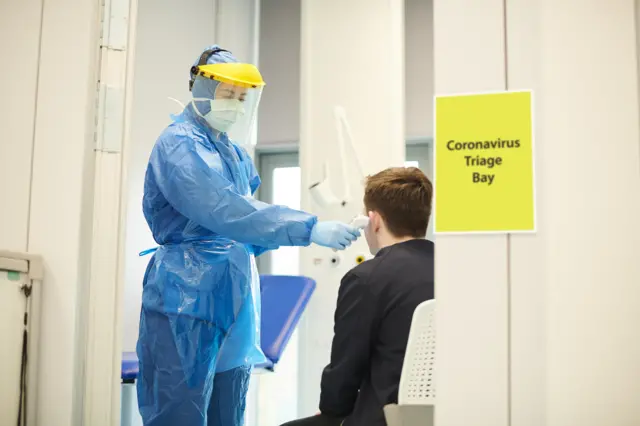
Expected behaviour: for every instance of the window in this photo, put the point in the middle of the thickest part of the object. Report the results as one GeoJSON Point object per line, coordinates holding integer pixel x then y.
{"type": "Point", "coordinates": [281, 182]}
{"type": "Point", "coordinates": [286, 191]}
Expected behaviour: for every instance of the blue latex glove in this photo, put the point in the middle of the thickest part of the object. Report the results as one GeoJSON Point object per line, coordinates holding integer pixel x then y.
{"type": "Point", "coordinates": [336, 235]}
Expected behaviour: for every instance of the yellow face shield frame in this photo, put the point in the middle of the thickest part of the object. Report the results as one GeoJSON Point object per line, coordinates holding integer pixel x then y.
{"type": "Point", "coordinates": [238, 74]}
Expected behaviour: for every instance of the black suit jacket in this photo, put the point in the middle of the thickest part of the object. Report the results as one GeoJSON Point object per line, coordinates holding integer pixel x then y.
{"type": "Point", "coordinates": [375, 306]}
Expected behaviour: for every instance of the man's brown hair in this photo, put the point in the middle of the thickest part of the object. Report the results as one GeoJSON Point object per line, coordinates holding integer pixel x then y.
{"type": "Point", "coordinates": [402, 196]}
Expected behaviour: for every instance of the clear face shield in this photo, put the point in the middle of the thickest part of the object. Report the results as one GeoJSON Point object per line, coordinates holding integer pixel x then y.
{"type": "Point", "coordinates": [235, 99]}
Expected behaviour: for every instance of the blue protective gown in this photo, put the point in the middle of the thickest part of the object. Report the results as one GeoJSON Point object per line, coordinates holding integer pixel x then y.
{"type": "Point", "coordinates": [201, 299]}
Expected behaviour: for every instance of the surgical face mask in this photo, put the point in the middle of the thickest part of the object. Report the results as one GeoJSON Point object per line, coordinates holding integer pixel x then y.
{"type": "Point", "coordinates": [223, 113]}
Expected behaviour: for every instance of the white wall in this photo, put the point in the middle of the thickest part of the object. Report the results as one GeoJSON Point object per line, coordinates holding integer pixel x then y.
{"type": "Point", "coordinates": [238, 28]}
{"type": "Point", "coordinates": [593, 180]}
{"type": "Point", "coordinates": [331, 64]}
{"type": "Point", "coordinates": [472, 324]}
{"type": "Point", "coordinates": [418, 68]}
{"type": "Point", "coordinates": [545, 331]}
{"type": "Point", "coordinates": [279, 119]}
{"type": "Point", "coordinates": [19, 76]}
{"type": "Point", "coordinates": [46, 207]}
{"type": "Point", "coordinates": [280, 65]}
{"type": "Point", "coordinates": [527, 254]}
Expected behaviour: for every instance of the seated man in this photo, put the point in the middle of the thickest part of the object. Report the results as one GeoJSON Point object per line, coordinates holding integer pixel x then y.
{"type": "Point", "coordinates": [376, 302]}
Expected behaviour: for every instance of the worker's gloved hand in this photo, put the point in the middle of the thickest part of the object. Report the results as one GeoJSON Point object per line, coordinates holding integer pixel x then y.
{"type": "Point", "coordinates": [335, 235]}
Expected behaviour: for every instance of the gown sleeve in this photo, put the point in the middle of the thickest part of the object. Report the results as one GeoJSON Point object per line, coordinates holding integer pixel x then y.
{"type": "Point", "coordinates": [202, 194]}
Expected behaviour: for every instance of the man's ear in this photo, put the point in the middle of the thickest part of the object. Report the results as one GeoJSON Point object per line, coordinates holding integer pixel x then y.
{"type": "Point", "coordinates": [374, 221]}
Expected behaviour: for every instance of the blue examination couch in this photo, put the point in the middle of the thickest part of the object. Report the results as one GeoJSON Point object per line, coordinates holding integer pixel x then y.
{"type": "Point", "coordinates": [284, 299]}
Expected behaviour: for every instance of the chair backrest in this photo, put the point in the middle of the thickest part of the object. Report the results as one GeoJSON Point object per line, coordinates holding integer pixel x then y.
{"type": "Point", "coordinates": [417, 382]}
{"type": "Point", "coordinates": [284, 299]}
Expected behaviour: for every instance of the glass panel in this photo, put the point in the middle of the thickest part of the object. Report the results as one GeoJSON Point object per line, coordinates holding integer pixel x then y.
{"type": "Point", "coordinates": [286, 191]}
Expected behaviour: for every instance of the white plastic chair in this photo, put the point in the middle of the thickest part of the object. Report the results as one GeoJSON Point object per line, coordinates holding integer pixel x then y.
{"type": "Point", "coordinates": [417, 391]}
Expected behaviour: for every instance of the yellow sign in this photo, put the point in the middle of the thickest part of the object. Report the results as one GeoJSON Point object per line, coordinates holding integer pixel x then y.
{"type": "Point", "coordinates": [484, 179]}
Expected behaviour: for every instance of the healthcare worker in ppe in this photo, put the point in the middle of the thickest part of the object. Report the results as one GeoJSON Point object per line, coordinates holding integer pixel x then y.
{"type": "Point", "coordinates": [200, 319]}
